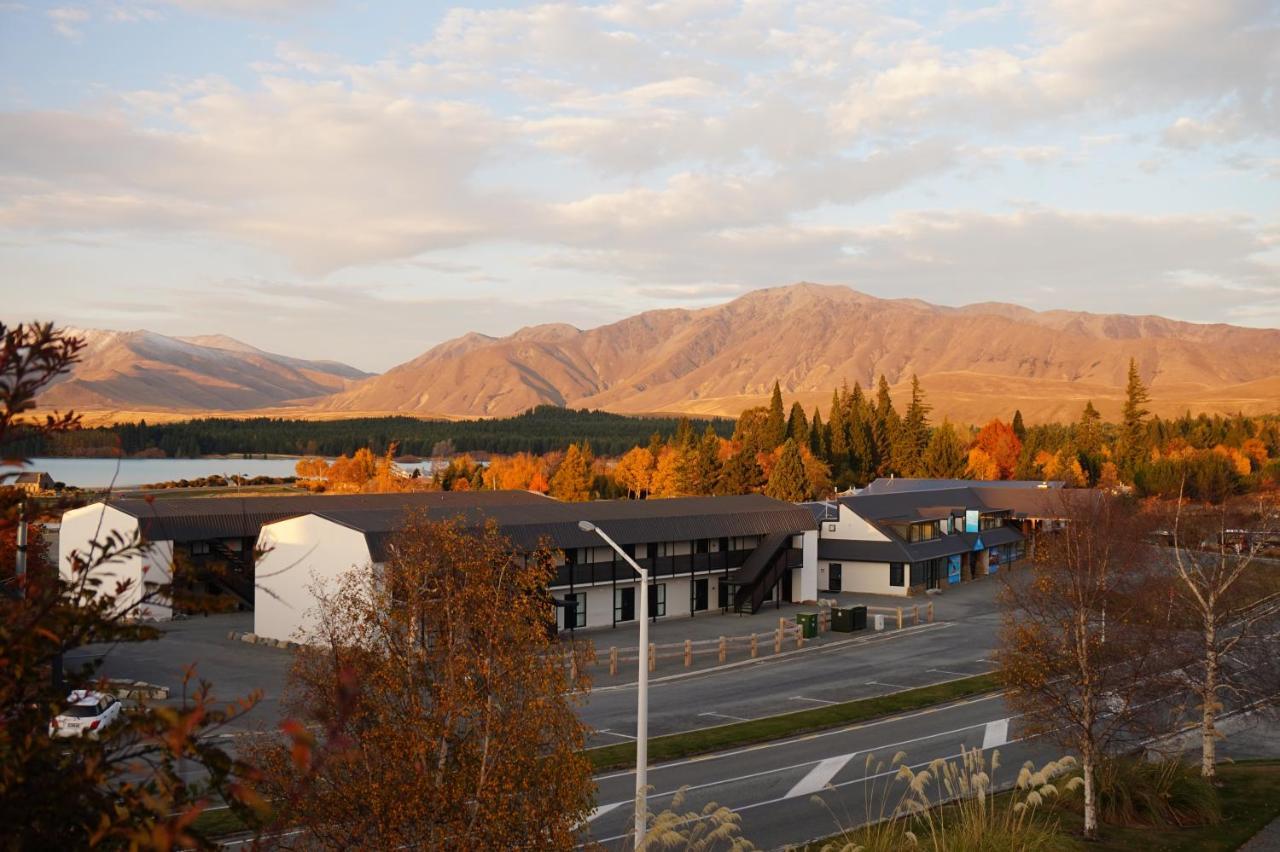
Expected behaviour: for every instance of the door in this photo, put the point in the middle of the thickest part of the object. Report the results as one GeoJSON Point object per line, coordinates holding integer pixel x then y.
{"type": "Point", "coordinates": [700, 595]}
{"type": "Point", "coordinates": [934, 579]}
{"type": "Point", "coordinates": [624, 604]}
{"type": "Point", "coordinates": [835, 582]}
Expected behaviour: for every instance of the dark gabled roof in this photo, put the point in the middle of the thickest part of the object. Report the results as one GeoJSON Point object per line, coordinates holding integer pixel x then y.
{"type": "Point", "coordinates": [200, 518]}
{"type": "Point", "coordinates": [32, 476]}
{"type": "Point", "coordinates": [625, 521]}
{"type": "Point", "coordinates": [896, 485]}
{"type": "Point", "coordinates": [854, 550]}
{"type": "Point", "coordinates": [896, 550]}
{"type": "Point", "coordinates": [823, 511]}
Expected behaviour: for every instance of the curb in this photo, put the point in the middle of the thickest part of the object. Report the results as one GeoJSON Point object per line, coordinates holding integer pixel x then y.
{"type": "Point", "coordinates": [255, 639]}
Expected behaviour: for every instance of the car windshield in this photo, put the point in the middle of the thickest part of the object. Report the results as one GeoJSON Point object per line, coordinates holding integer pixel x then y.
{"type": "Point", "coordinates": [81, 711]}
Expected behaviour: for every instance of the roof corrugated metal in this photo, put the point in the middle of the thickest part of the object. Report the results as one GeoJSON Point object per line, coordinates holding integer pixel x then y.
{"type": "Point", "coordinates": [902, 485]}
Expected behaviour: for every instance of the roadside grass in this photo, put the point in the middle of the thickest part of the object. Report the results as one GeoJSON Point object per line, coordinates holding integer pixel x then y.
{"type": "Point", "coordinates": [1249, 795]}
{"type": "Point", "coordinates": [219, 822]}
{"type": "Point", "coordinates": [720, 737]}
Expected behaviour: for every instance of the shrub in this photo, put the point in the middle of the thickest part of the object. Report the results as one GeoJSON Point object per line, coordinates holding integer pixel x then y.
{"type": "Point", "coordinates": [1134, 792]}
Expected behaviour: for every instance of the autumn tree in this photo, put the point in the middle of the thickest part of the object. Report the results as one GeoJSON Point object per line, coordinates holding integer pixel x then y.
{"type": "Point", "coordinates": [1229, 598]}
{"type": "Point", "coordinates": [944, 457]}
{"type": "Point", "coordinates": [572, 480]}
{"type": "Point", "coordinates": [128, 788]}
{"type": "Point", "coordinates": [634, 471]}
{"type": "Point", "coordinates": [519, 472]}
{"type": "Point", "coordinates": [671, 477]}
{"type": "Point", "coordinates": [463, 733]}
{"type": "Point", "coordinates": [705, 471]}
{"type": "Point", "coordinates": [995, 452]}
{"type": "Point", "coordinates": [788, 480]}
{"type": "Point", "coordinates": [1088, 433]}
{"type": "Point", "coordinates": [1082, 647]}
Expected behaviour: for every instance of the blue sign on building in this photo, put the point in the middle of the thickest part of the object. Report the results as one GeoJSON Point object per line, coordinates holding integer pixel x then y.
{"type": "Point", "coordinates": [953, 569]}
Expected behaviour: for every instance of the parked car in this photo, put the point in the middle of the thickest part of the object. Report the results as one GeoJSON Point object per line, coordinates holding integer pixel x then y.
{"type": "Point", "coordinates": [88, 713]}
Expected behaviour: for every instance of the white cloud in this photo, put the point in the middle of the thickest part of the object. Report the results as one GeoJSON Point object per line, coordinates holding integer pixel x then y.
{"type": "Point", "coordinates": [68, 20]}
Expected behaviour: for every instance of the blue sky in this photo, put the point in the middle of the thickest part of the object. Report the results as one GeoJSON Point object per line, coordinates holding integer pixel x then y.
{"type": "Point", "coordinates": [363, 180]}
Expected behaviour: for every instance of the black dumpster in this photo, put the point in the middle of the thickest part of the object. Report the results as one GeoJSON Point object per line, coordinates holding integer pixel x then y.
{"type": "Point", "coordinates": [842, 619]}
{"type": "Point", "coordinates": [859, 617]}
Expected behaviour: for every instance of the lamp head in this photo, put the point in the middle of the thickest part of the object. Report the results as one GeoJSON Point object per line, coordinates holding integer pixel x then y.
{"type": "Point", "coordinates": [586, 526]}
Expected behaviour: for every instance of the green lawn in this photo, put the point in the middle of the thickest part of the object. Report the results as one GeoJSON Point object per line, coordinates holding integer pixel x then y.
{"type": "Point", "coordinates": [675, 746]}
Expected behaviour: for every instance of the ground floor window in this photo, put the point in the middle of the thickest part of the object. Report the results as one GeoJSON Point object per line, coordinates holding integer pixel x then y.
{"type": "Point", "coordinates": [657, 600]}
{"type": "Point", "coordinates": [896, 577]}
{"type": "Point", "coordinates": [575, 610]}
{"type": "Point", "coordinates": [624, 604]}
{"type": "Point", "coordinates": [701, 596]}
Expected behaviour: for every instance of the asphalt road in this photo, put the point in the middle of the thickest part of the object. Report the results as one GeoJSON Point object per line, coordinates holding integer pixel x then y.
{"type": "Point", "coordinates": [772, 785]}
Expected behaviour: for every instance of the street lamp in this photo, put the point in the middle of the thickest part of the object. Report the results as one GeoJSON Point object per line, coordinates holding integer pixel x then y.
{"type": "Point", "coordinates": [642, 685]}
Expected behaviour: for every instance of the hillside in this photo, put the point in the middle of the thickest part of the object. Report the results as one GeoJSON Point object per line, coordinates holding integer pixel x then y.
{"type": "Point", "coordinates": [143, 371]}
{"type": "Point", "coordinates": [975, 362]}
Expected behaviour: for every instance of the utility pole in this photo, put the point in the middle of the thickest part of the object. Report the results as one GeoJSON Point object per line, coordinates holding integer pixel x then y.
{"type": "Point", "coordinates": [20, 561]}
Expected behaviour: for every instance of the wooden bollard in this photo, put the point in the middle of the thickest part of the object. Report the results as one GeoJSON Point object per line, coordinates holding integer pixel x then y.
{"type": "Point", "coordinates": [931, 612]}
{"type": "Point", "coordinates": [653, 657]}
{"type": "Point", "coordinates": [799, 635]}
{"type": "Point", "coordinates": [899, 618]}
{"type": "Point", "coordinates": [613, 660]}
{"type": "Point", "coordinates": [777, 641]}
{"type": "Point", "coordinates": [724, 649]}
{"type": "Point", "coordinates": [754, 649]}
{"type": "Point", "coordinates": [915, 614]}
{"type": "Point", "coordinates": [573, 668]}
{"type": "Point", "coordinates": [688, 653]}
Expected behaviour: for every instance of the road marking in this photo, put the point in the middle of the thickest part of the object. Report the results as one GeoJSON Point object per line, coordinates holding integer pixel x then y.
{"type": "Point", "coordinates": [948, 671]}
{"type": "Point", "coordinates": [819, 776]}
{"type": "Point", "coordinates": [790, 741]}
{"type": "Point", "coordinates": [615, 734]}
{"type": "Point", "coordinates": [604, 809]}
{"type": "Point", "coordinates": [819, 700]}
{"type": "Point", "coordinates": [996, 734]}
{"type": "Point", "coordinates": [895, 685]}
{"type": "Point", "coordinates": [726, 716]}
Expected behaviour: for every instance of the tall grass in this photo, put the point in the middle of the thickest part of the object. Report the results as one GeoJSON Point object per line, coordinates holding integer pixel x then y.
{"type": "Point", "coordinates": [951, 805]}
{"type": "Point", "coordinates": [1133, 792]}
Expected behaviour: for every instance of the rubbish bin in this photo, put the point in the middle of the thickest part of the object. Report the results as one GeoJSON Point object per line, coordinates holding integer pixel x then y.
{"type": "Point", "coordinates": [842, 619]}
{"type": "Point", "coordinates": [879, 621]}
{"type": "Point", "coordinates": [808, 622]}
{"type": "Point", "coordinates": [859, 614]}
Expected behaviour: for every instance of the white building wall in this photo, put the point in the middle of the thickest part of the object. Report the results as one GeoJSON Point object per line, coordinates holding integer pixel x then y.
{"type": "Point", "coordinates": [149, 565]}
{"type": "Point", "coordinates": [871, 578]}
{"type": "Point", "coordinates": [851, 526]}
{"type": "Point", "coordinates": [299, 556]}
{"type": "Point", "coordinates": [804, 582]}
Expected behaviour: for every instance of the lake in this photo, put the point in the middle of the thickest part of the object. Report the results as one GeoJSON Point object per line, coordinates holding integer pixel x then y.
{"type": "Point", "coordinates": [130, 473]}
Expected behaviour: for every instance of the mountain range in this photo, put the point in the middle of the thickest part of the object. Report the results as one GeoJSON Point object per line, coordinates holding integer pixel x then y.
{"type": "Point", "coordinates": [974, 362]}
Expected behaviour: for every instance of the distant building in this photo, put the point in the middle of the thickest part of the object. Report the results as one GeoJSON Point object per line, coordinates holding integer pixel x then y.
{"type": "Point", "coordinates": [902, 536]}
{"type": "Point", "coordinates": [34, 482]}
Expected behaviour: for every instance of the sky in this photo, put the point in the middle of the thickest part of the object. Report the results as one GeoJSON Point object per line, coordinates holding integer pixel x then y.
{"type": "Point", "coordinates": [362, 180]}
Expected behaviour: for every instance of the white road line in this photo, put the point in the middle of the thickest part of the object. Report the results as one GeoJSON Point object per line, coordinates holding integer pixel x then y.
{"type": "Point", "coordinates": [961, 674]}
{"type": "Point", "coordinates": [819, 776]}
{"type": "Point", "coordinates": [615, 734]}
{"type": "Point", "coordinates": [895, 685]}
{"type": "Point", "coordinates": [604, 809]}
{"type": "Point", "coordinates": [819, 700]}
{"type": "Point", "coordinates": [996, 734]}
{"type": "Point", "coordinates": [791, 741]}
{"type": "Point", "coordinates": [726, 716]}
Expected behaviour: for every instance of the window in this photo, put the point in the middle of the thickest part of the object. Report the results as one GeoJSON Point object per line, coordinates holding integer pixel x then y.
{"type": "Point", "coordinates": [895, 574]}
{"type": "Point", "coordinates": [232, 544]}
{"type": "Point", "coordinates": [657, 600]}
{"type": "Point", "coordinates": [624, 604]}
{"type": "Point", "coordinates": [990, 522]}
{"type": "Point", "coordinates": [918, 573]}
{"type": "Point", "coordinates": [700, 546]}
{"type": "Point", "coordinates": [923, 532]}
{"type": "Point", "coordinates": [831, 527]}
{"type": "Point", "coordinates": [575, 611]}
{"type": "Point", "coordinates": [199, 548]}
{"type": "Point", "coordinates": [667, 548]}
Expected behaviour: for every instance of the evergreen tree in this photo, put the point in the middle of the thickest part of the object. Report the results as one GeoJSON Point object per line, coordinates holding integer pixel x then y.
{"type": "Point", "coordinates": [838, 434]}
{"type": "Point", "coordinates": [684, 433]}
{"type": "Point", "coordinates": [740, 474]}
{"type": "Point", "coordinates": [915, 432]}
{"type": "Point", "coordinates": [884, 429]}
{"type": "Point", "coordinates": [945, 457]}
{"type": "Point", "coordinates": [798, 425]}
{"type": "Point", "coordinates": [1089, 430]}
{"type": "Point", "coordinates": [789, 481]}
{"type": "Point", "coordinates": [1019, 428]}
{"type": "Point", "coordinates": [817, 435]}
{"type": "Point", "coordinates": [776, 424]}
{"type": "Point", "coordinates": [706, 467]}
{"type": "Point", "coordinates": [1134, 423]}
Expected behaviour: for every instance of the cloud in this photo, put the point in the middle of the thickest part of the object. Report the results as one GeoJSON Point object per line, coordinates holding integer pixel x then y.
{"type": "Point", "coordinates": [68, 20]}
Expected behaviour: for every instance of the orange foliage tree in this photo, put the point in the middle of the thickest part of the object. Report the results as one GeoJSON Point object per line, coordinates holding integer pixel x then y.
{"type": "Point", "coordinates": [462, 733]}
{"type": "Point", "coordinates": [634, 472]}
{"type": "Point", "coordinates": [995, 452]}
{"type": "Point", "coordinates": [521, 472]}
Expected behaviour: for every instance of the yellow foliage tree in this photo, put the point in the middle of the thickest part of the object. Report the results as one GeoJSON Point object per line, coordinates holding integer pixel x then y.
{"type": "Point", "coordinates": [634, 472]}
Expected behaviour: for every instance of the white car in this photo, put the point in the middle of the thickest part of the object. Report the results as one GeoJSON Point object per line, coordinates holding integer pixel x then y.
{"type": "Point", "coordinates": [87, 714]}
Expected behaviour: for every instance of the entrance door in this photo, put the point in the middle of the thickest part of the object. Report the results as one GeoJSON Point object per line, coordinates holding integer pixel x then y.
{"type": "Point", "coordinates": [624, 604]}
{"type": "Point", "coordinates": [835, 582]}
{"type": "Point", "coordinates": [700, 595]}
{"type": "Point", "coordinates": [934, 577]}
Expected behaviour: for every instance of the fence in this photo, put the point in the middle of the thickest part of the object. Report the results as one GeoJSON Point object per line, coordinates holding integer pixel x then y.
{"type": "Point", "coordinates": [785, 635]}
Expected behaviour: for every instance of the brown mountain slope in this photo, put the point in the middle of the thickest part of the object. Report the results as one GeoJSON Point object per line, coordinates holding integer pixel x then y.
{"type": "Point", "coordinates": [975, 362]}
{"type": "Point", "coordinates": [142, 371]}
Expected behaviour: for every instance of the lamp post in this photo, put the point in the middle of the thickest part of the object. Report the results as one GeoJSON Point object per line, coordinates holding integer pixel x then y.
{"type": "Point", "coordinates": [642, 686]}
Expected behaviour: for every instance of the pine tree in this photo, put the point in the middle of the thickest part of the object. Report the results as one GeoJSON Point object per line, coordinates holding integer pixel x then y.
{"type": "Point", "coordinates": [838, 434]}
{"type": "Point", "coordinates": [798, 424]}
{"type": "Point", "coordinates": [789, 481]}
{"type": "Point", "coordinates": [1019, 428]}
{"type": "Point", "coordinates": [1089, 430]}
{"type": "Point", "coordinates": [817, 435]}
{"type": "Point", "coordinates": [740, 474]}
{"type": "Point", "coordinates": [1134, 418]}
{"type": "Point", "coordinates": [915, 432]}
{"type": "Point", "coordinates": [706, 467]}
{"type": "Point", "coordinates": [945, 456]}
{"type": "Point", "coordinates": [776, 424]}
{"type": "Point", "coordinates": [884, 429]}
{"type": "Point", "coordinates": [684, 433]}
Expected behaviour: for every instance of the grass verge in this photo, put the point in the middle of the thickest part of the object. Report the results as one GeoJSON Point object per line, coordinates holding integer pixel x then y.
{"type": "Point", "coordinates": [219, 822]}
{"type": "Point", "coordinates": [676, 746]}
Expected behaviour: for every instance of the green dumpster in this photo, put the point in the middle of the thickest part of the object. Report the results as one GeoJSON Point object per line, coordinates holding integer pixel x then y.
{"type": "Point", "coordinates": [842, 619]}
{"type": "Point", "coordinates": [808, 622]}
